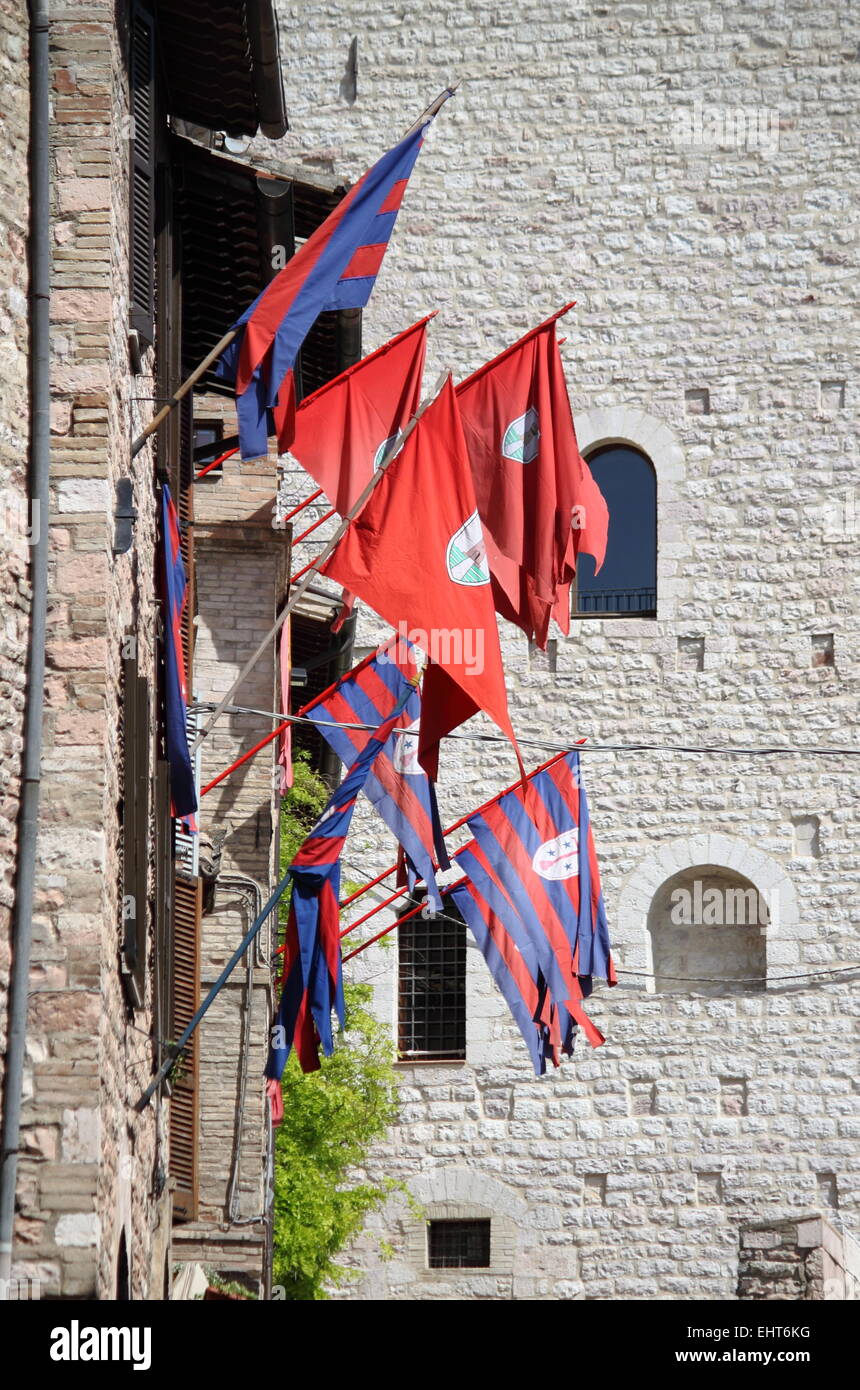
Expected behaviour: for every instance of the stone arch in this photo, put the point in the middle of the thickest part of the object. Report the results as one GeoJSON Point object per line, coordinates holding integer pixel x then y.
{"type": "Point", "coordinates": [463, 1194]}
{"type": "Point", "coordinates": [707, 926]}
{"type": "Point", "coordinates": [628, 424]}
{"type": "Point", "coordinates": [468, 1187]}
{"type": "Point", "coordinates": [708, 851]}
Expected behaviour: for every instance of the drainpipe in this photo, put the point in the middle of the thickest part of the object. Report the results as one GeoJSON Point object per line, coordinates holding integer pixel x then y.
{"type": "Point", "coordinates": [40, 399]}
{"type": "Point", "coordinates": [262, 24]}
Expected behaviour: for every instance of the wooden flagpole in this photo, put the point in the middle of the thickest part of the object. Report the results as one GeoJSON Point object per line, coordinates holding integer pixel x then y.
{"type": "Point", "coordinates": [188, 384]}
{"type": "Point", "coordinates": [190, 381]}
{"type": "Point", "coordinates": [313, 569]}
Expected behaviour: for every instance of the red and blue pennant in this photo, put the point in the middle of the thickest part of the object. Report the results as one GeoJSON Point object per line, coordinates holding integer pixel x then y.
{"type": "Point", "coordinates": [336, 268]}
{"type": "Point", "coordinates": [312, 979]}
{"type": "Point", "coordinates": [534, 903]}
{"type": "Point", "coordinates": [397, 785]}
{"type": "Point", "coordinates": [182, 790]}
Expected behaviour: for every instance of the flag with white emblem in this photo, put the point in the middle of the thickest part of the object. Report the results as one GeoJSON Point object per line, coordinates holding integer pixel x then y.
{"type": "Point", "coordinates": [415, 554]}
{"type": "Point", "coordinates": [535, 880]}
{"type": "Point", "coordinates": [397, 785]}
{"type": "Point", "coordinates": [343, 430]}
{"type": "Point", "coordinates": [538, 503]}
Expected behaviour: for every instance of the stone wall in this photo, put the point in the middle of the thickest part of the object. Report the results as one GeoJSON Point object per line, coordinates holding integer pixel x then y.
{"type": "Point", "coordinates": [596, 153]}
{"type": "Point", "coordinates": [804, 1259]}
{"type": "Point", "coordinates": [93, 1171]}
{"type": "Point", "coordinates": [15, 523]}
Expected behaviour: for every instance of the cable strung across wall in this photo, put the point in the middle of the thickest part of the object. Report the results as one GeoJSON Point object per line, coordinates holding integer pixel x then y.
{"type": "Point", "coordinates": [813, 750]}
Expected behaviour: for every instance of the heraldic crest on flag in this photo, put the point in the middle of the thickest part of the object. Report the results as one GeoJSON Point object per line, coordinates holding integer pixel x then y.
{"type": "Point", "coordinates": [534, 904]}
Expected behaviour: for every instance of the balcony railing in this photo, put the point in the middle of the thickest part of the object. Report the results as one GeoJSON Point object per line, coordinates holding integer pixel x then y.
{"type": "Point", "coordinates": [598, 602]}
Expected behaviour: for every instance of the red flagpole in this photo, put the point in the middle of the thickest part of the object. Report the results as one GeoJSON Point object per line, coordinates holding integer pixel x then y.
{"type": "Point", "coordinates": [328, 516]}
{"type": "Point", "coordinates": [394, 925]}
{"type": "Point", "coordinates": [307, 502]}
{"type": "Point", "coordinates": [449, 830]}
{"type": "Point", "coordinates": [214, 464]}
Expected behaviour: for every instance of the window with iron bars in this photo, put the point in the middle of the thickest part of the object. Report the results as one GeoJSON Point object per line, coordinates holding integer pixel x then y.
{"type": "Point", "coordinates": [458, 1244]}
{"type": "Point", "coordinates": [432, 989]}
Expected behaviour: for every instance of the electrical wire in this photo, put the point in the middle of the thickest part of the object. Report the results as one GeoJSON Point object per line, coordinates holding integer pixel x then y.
{"type": "Point", "coordinates": [714, 748]}
{"type": "Point", "coordinates": [704, 979]}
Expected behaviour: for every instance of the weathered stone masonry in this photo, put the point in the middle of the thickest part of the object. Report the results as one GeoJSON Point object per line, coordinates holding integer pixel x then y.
{"type": "Point", "coordinates": [14, 442]}
{"type": "Point", "coordinates": [713, 332]}
{"type": "Point", "coordinates": [92, 1170]}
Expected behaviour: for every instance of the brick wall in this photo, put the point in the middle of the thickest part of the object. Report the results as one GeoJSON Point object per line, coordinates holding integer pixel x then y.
{"type": "Point", "coordinates": [712, 332]}
{"type": "Point", "coordinates": [241, 572]}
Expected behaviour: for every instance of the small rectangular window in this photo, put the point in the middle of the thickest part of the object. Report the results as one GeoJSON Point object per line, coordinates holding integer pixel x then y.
{"type": "Point", "coordinates": [432, 990]}
{"type": "Point", "coordinates": [142, 100]}
{"type": "Point", "coordinates": [207, 435]}
{"type": "Point", "coordinates": [458, 1244]}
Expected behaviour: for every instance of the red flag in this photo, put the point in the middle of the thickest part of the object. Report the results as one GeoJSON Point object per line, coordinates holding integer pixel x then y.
{"type": "Point", "coordinates": [536, 497]}
{"type": "Point", "coordinates": [416, 555]}
{"type": "Point", "coordinates": [339, 433]}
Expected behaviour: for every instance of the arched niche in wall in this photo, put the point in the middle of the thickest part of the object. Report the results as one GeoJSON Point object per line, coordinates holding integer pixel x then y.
{"type": "Point", "coordinates": [722, 862]}
{"type": "Point", "coordinates": [708, 933]}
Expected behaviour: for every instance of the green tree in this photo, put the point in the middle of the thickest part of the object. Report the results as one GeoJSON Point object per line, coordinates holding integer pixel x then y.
{"type": "Point", "coordinates": [331, 1117]}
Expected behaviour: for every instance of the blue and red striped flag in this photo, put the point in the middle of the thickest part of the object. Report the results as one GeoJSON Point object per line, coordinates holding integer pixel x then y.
{"type": "Point", "coordinates": [336, 268]}
{"type": "Point", "coordinates": [397, 785]}
{"type": "Point", "coordinates": [534, 888]}
{"type": "Point", "coordinates": [182, 791]}
{"type": "Point", "coordinates": [513, 965]}
{"type": "Point", "coordinates": [312, 981]}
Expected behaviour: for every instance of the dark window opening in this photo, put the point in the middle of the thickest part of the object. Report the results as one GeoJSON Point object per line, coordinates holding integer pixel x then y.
{"type": "Point", "coordinates": [432, 989]}
{"type": "Point", "coordinates": [319, 658]}
{"type": "Point", "coordinates": [627, 582]}
{"type": "Point", "coordinates": [208, 433]}
{"type": "Point", "coordinates": [458, 1244]}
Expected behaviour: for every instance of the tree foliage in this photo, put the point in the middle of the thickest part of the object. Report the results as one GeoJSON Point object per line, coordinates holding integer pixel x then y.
{"type": "Point", "coordinates": [331, 1117]}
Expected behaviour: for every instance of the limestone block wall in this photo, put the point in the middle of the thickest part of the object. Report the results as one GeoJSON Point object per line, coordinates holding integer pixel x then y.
{"type": "Point", "coordinates": [806, 1259]}
{"type": "Point", "coordinates": [597, 153]}
{"type": "Point", "coordinates": [93, 1172]}
{"type": "Point", "coordinates": [15, 523]}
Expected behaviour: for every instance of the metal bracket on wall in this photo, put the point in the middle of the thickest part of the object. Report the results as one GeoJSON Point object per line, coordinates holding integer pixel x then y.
{"type": "Point", "coordinates": [124, 516]}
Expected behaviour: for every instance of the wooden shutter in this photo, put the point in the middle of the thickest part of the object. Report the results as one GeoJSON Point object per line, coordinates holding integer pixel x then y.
{"type": "Point", "coordinates": [135, 830]}
{"type": "Point", "coordinates": [163, 917]}
{"type": "Point", "coordinates": [185, 511]}
{"type": "Point", "coordinates": [185, 1087]}
{"type": "Point", "coordinates": [142, 194]}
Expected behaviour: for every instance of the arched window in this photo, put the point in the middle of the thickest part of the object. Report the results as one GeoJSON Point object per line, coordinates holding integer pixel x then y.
{"type": "Point", "coordinates": [627, 582]}
{"type": "Point", "coordinates": [708, 933]}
